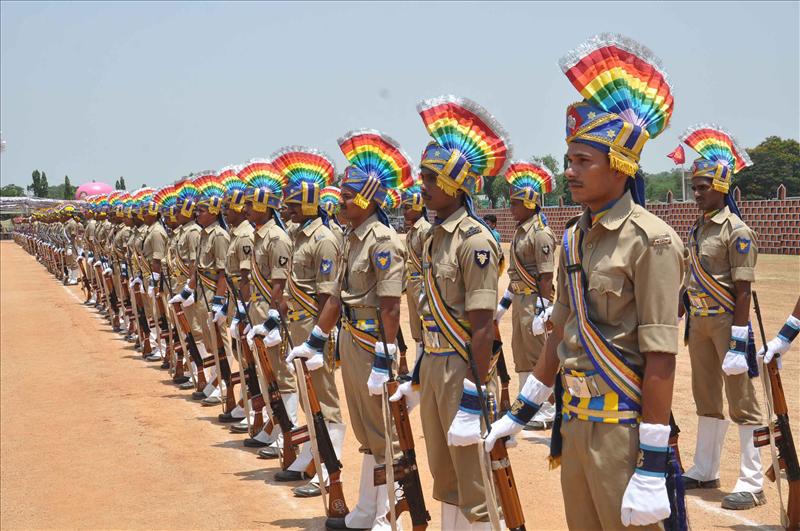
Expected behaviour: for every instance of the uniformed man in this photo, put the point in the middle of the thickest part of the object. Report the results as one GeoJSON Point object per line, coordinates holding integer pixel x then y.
{"type": "Point", "coordinates": [415, 221]}
{"type": "Point", "coordinates": [614, 321]}
{"type": "Point", "coordinates": [369, 286]}
{"type": "Point", "coordinates": [311, 280]}
{"type": "Point", "coordinates": [723, 254]}
{"type": "Point", "coordinates": [88, 236]}
{"type": "Point", "coordinates": [272, 250]}
{"type": "Point", "coordinates": [142, 270]}
{"type": "Point", "coordinates": [119, 251]}
{"type": "Point", "coordinates": [330, 200]}
{"type": "Point", "coordinates": [184, 263]}
{"type": "Point", "coordinates": [71, 251]}
{"type": "Point", "coordinates": [530, 272]}
{"type": "Point", "coordinates": [154, 252]}
{"type": "Point", "coordinates": [460, 262]}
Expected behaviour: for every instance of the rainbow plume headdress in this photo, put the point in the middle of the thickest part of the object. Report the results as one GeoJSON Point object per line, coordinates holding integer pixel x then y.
{"type": "Point", "coordinates": [141, 199]}
{"type": "Point", "coordinates": [165, 199]}
{"type": "Point", "coordinates": [377, 164]}
{"type": "Point", "coordinates": [393, 199]}
{"type": "Point", "coordinates": [187, 197]}
{"type": "Point", "coordinates": [307, 172]}
{"type": "Point", "coordinates": [468, 143]}
{"type": "Point", "coordinates": [627, 99]}
{"type": "Point", "coordinates": [234, 187]}
{"type": "Point", "coordinates": [264, 184]}
{"type": "Point", "coordinates": [412, 196]}
{"type": "Point", "coordinates": [720, 155]}
{"type": "Point", "coordinates": [529, 180]}
{"type": "Point", "coordinates": [330, 200]}
{"type": "Point", "coordinates": [210, 192]}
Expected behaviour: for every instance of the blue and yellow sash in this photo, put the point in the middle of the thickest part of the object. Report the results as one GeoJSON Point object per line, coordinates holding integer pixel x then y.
{"type": "Point", "coordinates": [263, 285]}
{"type": "Point", "coordinates": [615, 370]}
{"type": "Point", "coordinates": [360, 330]}
{"type": "Point", "coordinates": [207, 280]}
{"type": "Point", "coordinates": [306, 301]}
{"type": "Point", "coordinates": [719, 293]}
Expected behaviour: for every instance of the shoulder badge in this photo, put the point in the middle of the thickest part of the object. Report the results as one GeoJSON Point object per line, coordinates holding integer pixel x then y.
{"type": "Point", "coordinates": [283, 260]}
{"type": "Point", "coordinates": [743, 245]}
{"type": "Point", "coordinates": [325, 266]}
{"type": "Point", "coordinates": [246, 249]}
{"type": "Point", "coordinates": [482, 257]}
{"type": "Point", "coordinates": [472, 232]}
{"type": "Point", "coordinates": [661, 242]}
{"type": "Point", "coordinates": [383, 260]}
{"type": "Point", "coordinates": [546, 249]}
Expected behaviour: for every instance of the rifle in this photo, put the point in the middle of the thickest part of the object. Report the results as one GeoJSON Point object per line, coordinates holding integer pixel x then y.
{"type": "Point", "coordinates": [176, 341]}
{"type": "Point", "coordinates": [402, 366]}
{"type": "Point", "coordinates": [502, 371]}
{"type": "Point", "coordinates": [124, 276]}
{"type": "Point", "coordinates": [500, 465]}
{"type": "Point", "coordinates": [778, 435]}
{"type": "Point", "coordinates": [404, 470]}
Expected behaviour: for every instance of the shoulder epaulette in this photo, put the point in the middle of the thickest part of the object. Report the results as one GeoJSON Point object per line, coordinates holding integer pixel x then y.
{"type": "Point", "coordinates": [472, 232]}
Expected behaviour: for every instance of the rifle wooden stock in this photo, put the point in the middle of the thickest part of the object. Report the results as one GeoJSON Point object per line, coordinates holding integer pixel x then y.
{"type": "Point", "coordinates": [113, 301]}
{"type": "Point", "coordinates": [144, 326]}
{"type": "Point", "coordinates": [277, 407]}
{"type": "Point", "coordinates": [506, 486]}
{"type": "Point", "coordinates": [191, 344]}
{"type": "Point", "coordinates": [406, 473]}
{"type": "Point", "coordinates": [163, 325]}
{"type": "Point", "coordinates": [402, 364]}
{"type": "Point", "coordinates": [502, 371]}
{"type": "Point", "coordinates": [787, 452]}
{"type": "Point", "coordinates": [224, 367]}
{"type": "Point", "coordinates": [337, 506]}
{"type": "Point", "coordinates": [251, 381]}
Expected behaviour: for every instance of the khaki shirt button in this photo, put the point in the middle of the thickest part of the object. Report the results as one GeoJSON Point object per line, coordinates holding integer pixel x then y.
{"type": "Point", "coordinates": [590, 245]}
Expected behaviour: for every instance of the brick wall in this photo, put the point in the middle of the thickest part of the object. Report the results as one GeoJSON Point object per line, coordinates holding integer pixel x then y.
{"type": "Point", "coordinates": [776, 222]}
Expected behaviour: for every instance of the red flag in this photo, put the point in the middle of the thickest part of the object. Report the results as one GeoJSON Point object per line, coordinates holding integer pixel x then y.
{"type": "Point", "coordinates": [678, 156]}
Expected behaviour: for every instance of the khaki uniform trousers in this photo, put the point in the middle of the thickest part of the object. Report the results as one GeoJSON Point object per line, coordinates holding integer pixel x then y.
{"type": "Point", "coordinates": [456, 470]}
{"type": "Point", "coordinates": [525, 346]}
{"type": "Point", "coordinates": [597, 461]}
{"type": "Point", "coordinates": [323, 379]}
{"type": "Point", "coordinates": [709, 341]}
{"type": "Point", "coordinates": [276, 355]}
{"type": "Point", "coordinates": [413, 290]}
{"type": "Point", "coordinates": [366, 411]}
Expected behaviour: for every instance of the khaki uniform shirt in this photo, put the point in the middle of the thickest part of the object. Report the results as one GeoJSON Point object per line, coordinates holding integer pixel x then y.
{"type": "Point", "coordinates": [314, 260]}
{"type": "Point", "coordinates": [101, 237]}
{"type": "Point", "coordinates": [121, 239]}
{"type": "Point", "coordinates": [240, 249]}
{"type": "Point", "coordinates": [91, 228]}
{"type": "Point", "coordinates": [727, 250]}
{"type": "Point", "coordinates": [189, 242]}
{"type": "Point", "coordinates": [415, 237]}
{"type": "Point", "coordinates": [71, 228]}
{"type": "Point", "coordinates": [464, 262]}
{"type": "Point", "coordinates": [213, 247]}
{"type": "Point", "coordinates": [633, 264]}
{"type": "Point", "coordinates": [154, 246]}
{"type": "Point", "coordinates": [273, 250]}
{"type": "Point", "coordinates": [372, 265]}
{"type": "Point", "coordinates": [535, 245]}
{"type": "Point", "coordinates": [338, 232]}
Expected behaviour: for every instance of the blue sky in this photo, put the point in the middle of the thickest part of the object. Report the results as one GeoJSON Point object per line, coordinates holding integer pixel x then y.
{"type": "Point", "coordinates": [152, 91]}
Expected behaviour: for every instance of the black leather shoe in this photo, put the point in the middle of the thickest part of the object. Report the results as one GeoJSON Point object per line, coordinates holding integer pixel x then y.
{"type": "Point", "coordinates": [740, 501]}
{"type": "Point", "coordinates": [227, 417]}
{"type": "Point", "coordinates": [165, 364]}
{"type": "Point", "coordinates": [309, 490]}
{"type": "Point", "coordinates": [338, 523]}
{"type": "Point", "coordinates": [691, 483]}
{"type": "Point", "coordinates": [270, 452]}
{"type": "Point", "coordinates": [198, 395]}
{"type": "Point", "coordinates": [177, 380]}
{"type": "Point", "coordinates": [254, 443]}
{"type": "Point", "coordinates": [290, 475]}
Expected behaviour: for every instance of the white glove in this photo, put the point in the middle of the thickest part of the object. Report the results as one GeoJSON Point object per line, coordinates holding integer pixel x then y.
{"type": "Point", "coordinates": [135, 281]}
{"type": "Point", "coordinates": [645, 500]}
{"type": "Point", "coordinates": [272, 326]}
{"type": "Point", "coordinates": [530, 398]}
{"type": "Point", "coordinates": [107, 271]}
{"type": "Point", "coordinates": [406, 389]}
{"type": "Point", "coordinates": [220, 308]}
{"type": "Point", "coordinates": [780, 344]}
{"type": "Point", "coordinates": [735, 361]}
{"type": "Point", "coordinates": [380, 367]}
{"type": "Point", "coordinates": [69, 252]}
{"type": "Point", "coordinates": [90, 261]}
{"type": "Point", "coordinates": [466, 426]}
{"type": "Point", "coordinates": [503, 305]}
{"type": "Point", "coordinates": [539, 324]}
{"type": "Point", "coordinates": [150, 291]}
{"type": "Point", "coordinates": [311, 350]}
{"type": "Point", "coordinates": [233, 329]}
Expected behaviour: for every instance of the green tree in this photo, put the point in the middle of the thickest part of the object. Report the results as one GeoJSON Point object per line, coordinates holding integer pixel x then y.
{"type": "Point", "coordinates": [69, 190]}
{"type": "Point", "coordinates": [120, 184]}
{"type": "Point", "coordinates": [775, 161]}
{"type": "Point", "coordinates": [658, 184]}
{"type": "Point", "coordinates": [43, 186]}
{"type": "Point", "coordinates": [37, 179]}
{"type": "Point", "coordinates": [12, 190]}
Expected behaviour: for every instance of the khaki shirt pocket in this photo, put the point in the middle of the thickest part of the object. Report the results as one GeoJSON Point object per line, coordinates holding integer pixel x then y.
{"type": "Point", "coordinates": [714, 255]}
{"type": "Point", "coordinates": [605, 296]}
{"type": "Point", "coordinates": [447, 280]}
{"type": "Point", "coordinates": [359, 275]}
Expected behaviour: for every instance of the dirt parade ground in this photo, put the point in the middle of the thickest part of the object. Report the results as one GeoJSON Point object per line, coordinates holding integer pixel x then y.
{"type": "Point", "coordinates": [93, 437]}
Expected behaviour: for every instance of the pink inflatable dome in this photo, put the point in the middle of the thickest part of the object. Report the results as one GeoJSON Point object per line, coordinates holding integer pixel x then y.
{"type": "Point", "coordinates": [92, 188]}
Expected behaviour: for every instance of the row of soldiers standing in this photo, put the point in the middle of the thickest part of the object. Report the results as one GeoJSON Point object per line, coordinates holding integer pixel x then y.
{"type": "Point", "coordinates": [308, 290]}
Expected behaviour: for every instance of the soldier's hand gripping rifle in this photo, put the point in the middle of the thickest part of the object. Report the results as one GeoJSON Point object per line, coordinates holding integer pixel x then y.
{"type": "Point", "coordinates": [179, 345]}
{"type": "Point", "coordinates": [500, 465]}
{"type": "Point", "coordinates": [403, 470]}
{"type": "Point", "coordinates": [402, 365]}
{"type": "Point", "coordinates": [127, 299]}
{"type": "Point", "coordinates": [778, 435]}
{"type": "Point", "coordinates": [502, 371]}
{"type": "Point", "coordinates": [322, 446]}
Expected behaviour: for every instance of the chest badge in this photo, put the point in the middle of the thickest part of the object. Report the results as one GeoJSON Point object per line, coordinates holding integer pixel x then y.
{"type": "Point", "coordinates": [326, 266]}
{"type": "Point", "coordinates": [383, 260]}
{"type": "Point", "coordinates": [743, 245]}
{"type": "Point", "coordinates": [482, 257]}
{"type": "Point", "coordinates": [246, 249]}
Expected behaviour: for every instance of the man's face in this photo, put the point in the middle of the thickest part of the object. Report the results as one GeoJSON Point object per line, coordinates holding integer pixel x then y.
{"type": "Point", "coordinates": [294, 212]}
{"type": "Point", "coordinates": [589, 174]}
{"type": "Point", "coordinates": [705, 196]}
{"type": "Point", "coordinates": [351, 212]}
{"type": "Point", "coordinates": [233, 217]}
{"type": "Point", "coordinates": [410, 216]}
{"type": "Point", "coordinates": [434, 197]}
{"type": "Point", "coordinates": [204, 217]}
{"type": "Point", "coordinates": [518, 210]}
